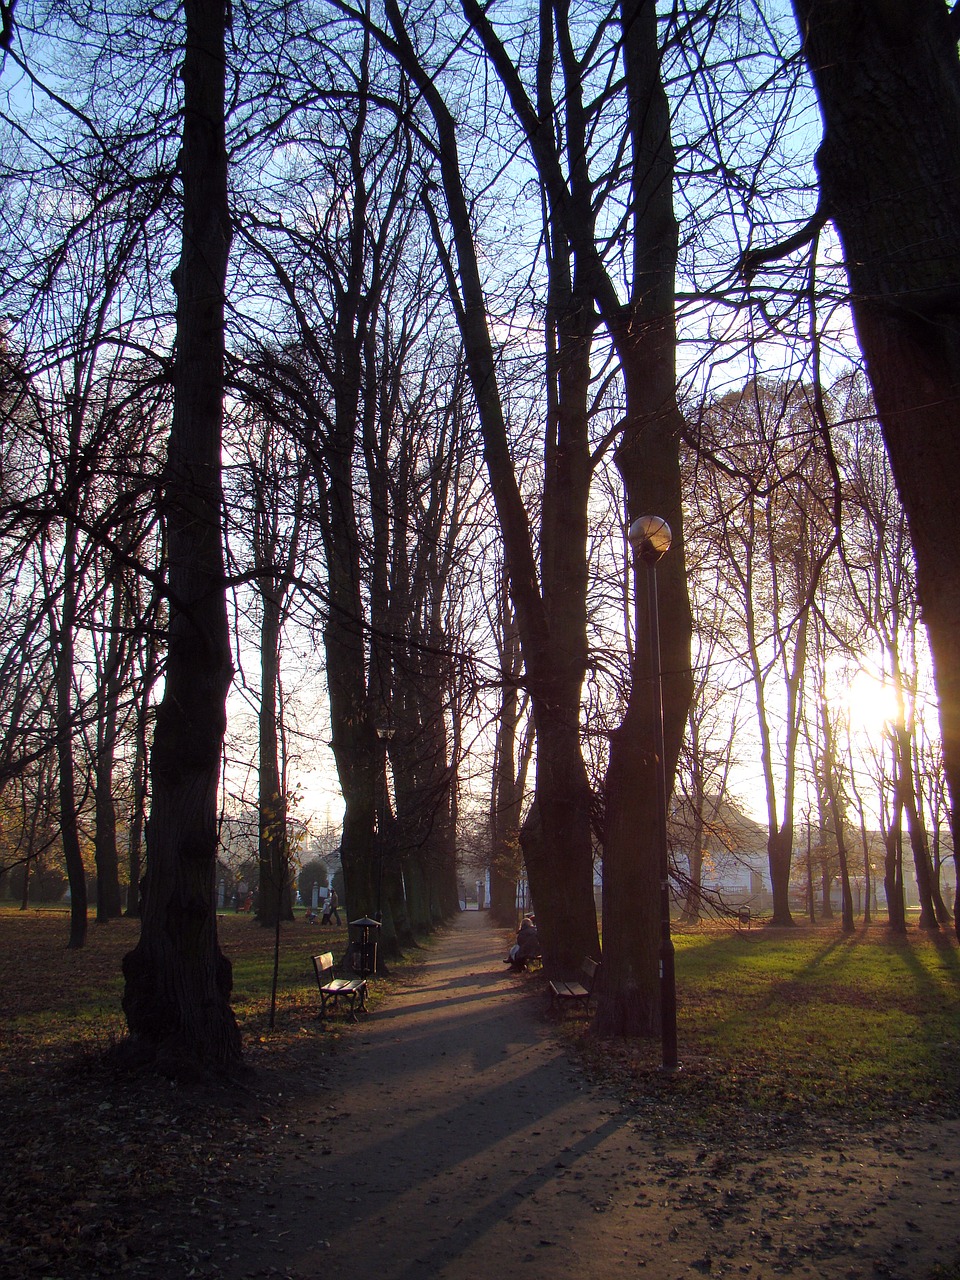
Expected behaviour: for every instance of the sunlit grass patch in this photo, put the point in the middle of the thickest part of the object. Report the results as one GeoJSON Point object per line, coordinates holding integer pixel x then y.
{"type": "Point", "coordinates": [805, 1024]}
{"type": "Point", "coordinates": [55, 1002]}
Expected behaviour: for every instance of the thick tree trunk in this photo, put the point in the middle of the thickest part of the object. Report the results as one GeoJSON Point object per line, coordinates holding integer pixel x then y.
{"type": "Point", "coordinates": [178, 982]}
{"type": "Point", "coordinates": [779, 858]}
{"type": "Point", "coordinates": [509, 783]}
{"type": "Point", "coordinates": [826, 883]}
{"type": "Point", "coordinates": [903, 755]}
{"type": "Point", "coordinates": [356, 748]}
{"type": "Point", "coordinates": [888, 80]}
{"type": "Point", "coordinates": [421, 752]}
{"type": "Point", "coordinates": [417, 895]}
{"type": "Point", "coordinates": [648, 458]}
{"type": "Point", "coordinates": [629, 1002]}
{"type": "Point", "coordinates": [893, 870]}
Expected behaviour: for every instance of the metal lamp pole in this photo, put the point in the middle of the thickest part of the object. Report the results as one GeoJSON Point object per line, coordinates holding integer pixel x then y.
{"type": "Point", "coordinates": [384, 733]}
{"type": "Point", "coordinates": [650, 537]}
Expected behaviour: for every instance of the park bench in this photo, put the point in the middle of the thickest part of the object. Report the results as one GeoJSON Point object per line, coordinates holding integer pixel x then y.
{"type": "Point", "coordinates": [577, 991]}
{"type": "Point", "coordinates": [353, 990]}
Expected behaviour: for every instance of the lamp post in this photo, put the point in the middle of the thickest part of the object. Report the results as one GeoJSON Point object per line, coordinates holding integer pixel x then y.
{"type": "Point", "coordinates": [384, 733]}
{"type": "Point", "coordinates": [650, 538]}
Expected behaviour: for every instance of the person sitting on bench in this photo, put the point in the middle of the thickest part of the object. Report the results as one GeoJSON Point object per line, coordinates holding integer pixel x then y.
{"type": "Point", "coordinates": [527, 945]}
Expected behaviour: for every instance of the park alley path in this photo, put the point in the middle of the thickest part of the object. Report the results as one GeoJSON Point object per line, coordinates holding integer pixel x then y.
{"type": "Point", "coordinates": [457, 1140]}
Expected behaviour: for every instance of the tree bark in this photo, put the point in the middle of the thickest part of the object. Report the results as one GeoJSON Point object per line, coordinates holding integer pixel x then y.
{"type": "Point", "coordinates": [275, 897]}
{"type": "Point", "coordinates": [69, 826]}
{"type": "Point", "coordinates": [508, 779]}
{"type": "Point", "coordinates": [831, 783]}
{"type": "Point", "coordinates": [648, 458]}
{"type": "Point", "coordinates": [888, 80]}
{"type": "Point", "coordinates": [106, 854]}
{"type": "Point", "coordinates": [178, 981]}
{"type": "Point", "coordinates": [893, 867]}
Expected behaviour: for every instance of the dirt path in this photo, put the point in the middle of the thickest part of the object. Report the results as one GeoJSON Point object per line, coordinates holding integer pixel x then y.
{"type": "Point", "coordinates": [460, 1142]}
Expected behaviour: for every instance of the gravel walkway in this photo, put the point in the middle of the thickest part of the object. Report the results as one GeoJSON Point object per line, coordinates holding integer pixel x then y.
{"type": "Point", "coordinates": [461, 1143]}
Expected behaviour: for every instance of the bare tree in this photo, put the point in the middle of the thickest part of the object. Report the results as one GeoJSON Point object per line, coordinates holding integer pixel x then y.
{"type": "Point", "coordinates": [177, 980]}
{"type": "Point", "coordinates": [509, 772]}
{"type": "Point", "coordinates": [774, 525]}
{"type": "Point", "coordinates": [882, 592]}
{"type": "Point", "coordinates": [267, 526]}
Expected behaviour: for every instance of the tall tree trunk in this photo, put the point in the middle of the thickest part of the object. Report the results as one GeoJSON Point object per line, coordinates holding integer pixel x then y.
{"type": "Point", "coordinates": [356, 748]}
{"type": "Point", "coordinates": [893, 868]}
{"type": "Point", "coordinates": [138, 795]}
{"type": "Point", "coordinates": [888, 80]}
{"type": "Point", "coordinates": [903, 754]}
{"type": "Point", "coordinates": [826, 884]}
{"type": "Point", "coordinates": [648, 458]}
{"type": "Point", "coordinates": [508, 785]}
{"type": "Point", "coordinates": [559, 856]}
{"type": "Point", "coordinates": [836, 814]}
{"type": "Point", "coordinates": [178, 982]}
{"type": "Point", "coordinates": [69, 825]}
{"type": "Point", "coordinates": [106, 854]}
{"type": "Point", "coordinates": [274, 902]}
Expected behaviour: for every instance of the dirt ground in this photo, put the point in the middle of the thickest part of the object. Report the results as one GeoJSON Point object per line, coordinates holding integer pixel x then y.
{"type": "Point", "coordinates": [452, 1136]}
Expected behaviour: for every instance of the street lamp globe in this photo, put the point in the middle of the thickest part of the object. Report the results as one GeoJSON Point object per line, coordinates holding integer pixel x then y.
{"type": "Point", "coordinates": [650, 537]}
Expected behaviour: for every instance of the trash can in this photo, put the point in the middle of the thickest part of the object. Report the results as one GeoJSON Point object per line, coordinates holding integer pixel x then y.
{"type": "Point", "coordinates": [362, 947]}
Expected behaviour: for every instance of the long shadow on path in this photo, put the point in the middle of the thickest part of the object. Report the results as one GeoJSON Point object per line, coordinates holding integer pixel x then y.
{"type": "Point", "coordinates": [460, 1142]}
{"type": "Point", "coordinates": [455, 1114]}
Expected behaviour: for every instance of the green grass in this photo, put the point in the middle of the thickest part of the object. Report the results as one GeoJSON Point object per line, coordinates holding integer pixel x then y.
{"type": "Point", "coordinates": [778, 1031]}
{"type": "Point", "coordinates": [808, 1024]}
{"type": "Point", "coordinates": [800, 1023]}
{"type": "Point", "coordinates": [54, 1001]}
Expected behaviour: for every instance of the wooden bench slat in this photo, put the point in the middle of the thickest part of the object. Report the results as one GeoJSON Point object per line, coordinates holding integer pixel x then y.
{"type": "Point", "coordinates": [573, 990]}
{"type": "Point", "coordinates": [354, 990]}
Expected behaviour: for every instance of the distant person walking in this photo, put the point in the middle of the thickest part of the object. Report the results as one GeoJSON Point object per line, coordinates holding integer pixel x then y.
{"type": "Point", "coordinates": [331, 908]}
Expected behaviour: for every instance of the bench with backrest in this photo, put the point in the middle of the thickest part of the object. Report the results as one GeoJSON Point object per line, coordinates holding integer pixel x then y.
{"type": "Point", "coordinates": [579, 990]}
{"type": "Point", "coordinates": [333, 990]}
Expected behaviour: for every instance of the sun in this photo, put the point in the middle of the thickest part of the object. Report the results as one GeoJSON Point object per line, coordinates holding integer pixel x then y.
{"type": "Point", "coordinates": [870, 705]}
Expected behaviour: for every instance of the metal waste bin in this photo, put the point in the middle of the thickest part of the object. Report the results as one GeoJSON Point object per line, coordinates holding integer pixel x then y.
{"type": "Point", "coordinates": [362, 947]}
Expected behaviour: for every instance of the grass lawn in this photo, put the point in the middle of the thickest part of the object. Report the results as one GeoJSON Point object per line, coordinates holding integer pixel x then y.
{"type": "Point", "coordinates": [87, 1155]}
{"type": "Point", "coordinates": [777, 1030]}
{"type": "Point", "coordinates": [806, 1024]}
{"type": "Point", "coordinates": [60, 1001]}
{"type": "Point", "coordinates": [785, 1021]}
